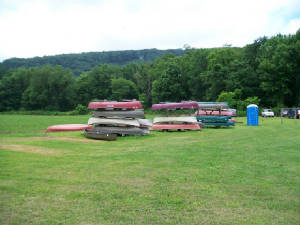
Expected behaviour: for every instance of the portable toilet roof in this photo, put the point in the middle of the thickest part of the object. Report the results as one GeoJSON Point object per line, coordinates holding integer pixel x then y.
{"type": "Point", "coordinates": [252, 105]}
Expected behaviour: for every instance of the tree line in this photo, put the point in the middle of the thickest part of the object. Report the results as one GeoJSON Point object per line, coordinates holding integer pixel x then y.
{"type": "Point", "coordinates": [265, 72]}
{"type": "Point", "coordinates": [84, 62]}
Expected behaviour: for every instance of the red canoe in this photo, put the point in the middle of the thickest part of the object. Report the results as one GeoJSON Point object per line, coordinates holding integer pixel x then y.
{"type": "Point", "coordinates": [176, 105]}
{"type": "Point", "coordinates": [175, 127]}
{"type": "Point", "coordinates": [69, 127]}
{"type": "Point", "coordinates": [213, 113]}
{"type": "Point", "coordinates": [116, 105]}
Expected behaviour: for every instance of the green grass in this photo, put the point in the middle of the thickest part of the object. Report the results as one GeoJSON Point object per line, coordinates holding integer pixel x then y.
{"type": "Point", "coordinates": [240, 175]}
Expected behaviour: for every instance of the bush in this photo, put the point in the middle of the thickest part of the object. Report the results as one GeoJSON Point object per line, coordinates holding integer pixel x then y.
{"type": "Point", "coordinates": [80, 110]}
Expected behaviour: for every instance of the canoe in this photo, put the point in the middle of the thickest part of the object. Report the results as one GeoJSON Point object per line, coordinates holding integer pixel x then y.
{"type": "Point", "coordinates": [175, 127]}
{"type": "Point", "coordinates": [69, 127]}
{"type": "Point", "coordinates": [214, 112]}
{"type": "Point", "coordinates": [187, 119]}
{"type": "Point", "coordinates": [145, 130]}
{"type": "Point", "coordinates": [213, 105]}
{"type": "Point", "coordinates": [176, 105]}
{"type": "Point", "coordinates": [219, 124]}
{"type": "Point", "coordinates": [145, 123]}
{"type": "Point", "coordinates": [120, 130]}
{"type": "Point", "coordinates": [115, 105]}
{"type": "Point", "coordinates": [137, 113]}
{"type": "Point", "coordinates": [99, 136]}
{"type": "Point", "coordinates": [213, 118]}
{"type": "Point", "coordinates": [118, 122]}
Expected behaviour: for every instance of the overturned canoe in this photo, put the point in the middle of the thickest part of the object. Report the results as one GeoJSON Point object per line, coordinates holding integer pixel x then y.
{"type": "Point", "coordinates": [145, 130]}
{"type": "Point", "coordinates": [186, 119]}
{"type": "Point", "coordinates": [219, 124]}
{"type": "Point", "coordinates": [175, 127]}
{"type": "Point", "coordinates": [213, 118]}
{"type": "Point", "coordinates": [214, 112]}
{"type": "Point", "coordinates": [177, 105]}
{"type": "Point", "coordinates": [120, 130]}
{"type": "Point", "coordinates": [69, 127]}
{"type": "Point", "coordinates": [115, 105]}
{"type": "Point", "coordinates": [218, 121]}
{"type": "Point", "coordinates": [118, 122]}
{"type": "Point", "coordinates": [213, 105]}
{"type": "Point", "coordinates": [137, 113]}
{"type": "Point", "coordinates": [99, 136]}
{"type": "Point", "coordinates": [145, 123]}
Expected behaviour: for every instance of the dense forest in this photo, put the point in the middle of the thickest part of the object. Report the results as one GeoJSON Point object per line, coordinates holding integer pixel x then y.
{"type": "Point", "coordinates": [265, 72]}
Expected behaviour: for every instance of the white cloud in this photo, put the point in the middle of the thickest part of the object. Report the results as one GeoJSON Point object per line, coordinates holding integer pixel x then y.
{"type": "Point", "coordinates": [292, 26]}
{"type": "Point", "coordinates": [36, 28]}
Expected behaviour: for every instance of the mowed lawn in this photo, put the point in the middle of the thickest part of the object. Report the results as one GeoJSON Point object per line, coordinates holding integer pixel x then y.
{"type": "Point", "coordinates": [240, 175]}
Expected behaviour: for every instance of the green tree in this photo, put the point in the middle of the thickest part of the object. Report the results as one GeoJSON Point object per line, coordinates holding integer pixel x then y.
{"type": "Point", "coordinates": [123, 89]}
{"type": "Point", "coordinates": [278, 68]}
{"type": "Point", "coordinates": [172, 84]}
{"type": "Point", "coordinates": [50, 88]}
{"type": "Point", "coordinates": [12, 86]}
{"type": "Point", "coordinates": [96, 84]}
{"type": "Point", "coordinates": [219, 62]}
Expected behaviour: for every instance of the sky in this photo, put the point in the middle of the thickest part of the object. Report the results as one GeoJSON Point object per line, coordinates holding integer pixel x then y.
{"type": "Point", "coordinates": [32, 28]}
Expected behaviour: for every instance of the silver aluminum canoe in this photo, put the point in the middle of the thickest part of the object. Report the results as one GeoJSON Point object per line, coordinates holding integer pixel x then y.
{"type": "Point", "coordinates": [99, 136]}
{"type": "Point", "coordinates": [121, 130]}
{"type": "Point", "coordinates": [145, 122]}
{"type": "Point", "coordinates": [118, 122]}
{"type": "Point", "coordinates": [119, 113]}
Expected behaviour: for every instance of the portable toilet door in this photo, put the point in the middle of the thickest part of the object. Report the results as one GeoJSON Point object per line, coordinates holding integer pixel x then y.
{"type": "Point", "coordinates": [252, 115]}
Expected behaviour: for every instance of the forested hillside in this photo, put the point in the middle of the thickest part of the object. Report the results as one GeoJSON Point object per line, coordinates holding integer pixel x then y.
{"type": "Point", "coordinates": [83, 62]}
{"type": "Point", "coordinates": [265, 72]}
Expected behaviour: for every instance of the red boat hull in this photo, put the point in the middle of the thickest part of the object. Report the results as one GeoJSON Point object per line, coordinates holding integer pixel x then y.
{"type": "Point", "coordinates": [213, 113]}
{"type": "Point", "coordinates": [179, 105]}
{"type": "Point", "coordinates": [116, 105]}
{"type": "Point", "coordinates": [175, 127]}
{"type": "Point", "coordinates": [69, 127]}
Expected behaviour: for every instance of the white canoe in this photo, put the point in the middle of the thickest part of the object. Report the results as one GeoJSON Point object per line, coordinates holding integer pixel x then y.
{"type": "Point", "coordinates": [187, 119]}
{"type": "Point", "coordinates": [118, 122]}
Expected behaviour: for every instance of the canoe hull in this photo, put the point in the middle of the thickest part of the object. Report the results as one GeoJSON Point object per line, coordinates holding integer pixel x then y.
{"type": "Point", "coordinates": [187, 119]}
{"type": "Point", "coordinates": [115, 105]}
{"type": "Point", "coordinates": [99, 136]}
{"type": "Point", "coordinates": [145, 123]}
{"type": "Point", "coordinates": [175, 127]}
{"type": "Point", "coordinates": [213, 105]}
{"type": "Point", "coordinates": [120, 130]}
{"type": "Point", "coordinates": [118, 122]}
{"type": "Point", "coordinates": [177, 105]}
{"type": "Point", "coordinates": [119, 114]}
{"type": "Point", "coordinates": [69, 127]}
{"type": "Point", "coordinates": [213, 113]}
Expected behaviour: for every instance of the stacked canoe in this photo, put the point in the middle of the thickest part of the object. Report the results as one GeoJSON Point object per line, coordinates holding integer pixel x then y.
{"type": "Point", "coordinates": [117, 118]}
{"type": "Point", "coordinates": [214, 114]}
{"type": "Point", "coordinates": [175, 123]}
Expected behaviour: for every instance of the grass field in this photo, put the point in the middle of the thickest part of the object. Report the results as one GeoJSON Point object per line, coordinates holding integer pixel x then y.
{"type": "Point", "coordinates": [241, 175]}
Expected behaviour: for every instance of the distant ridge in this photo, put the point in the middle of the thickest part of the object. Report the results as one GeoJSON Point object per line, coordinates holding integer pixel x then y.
{"type": "Point", "coordinates": [82, 62]}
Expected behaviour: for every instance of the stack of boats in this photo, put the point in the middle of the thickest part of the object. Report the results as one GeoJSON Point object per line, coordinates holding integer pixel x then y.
{"type": "Point", "coordinates": [214, 114]}
{"type": "Point", "coordinates": [112, 118]}
{"type": "Point", "coordinates": [175, 123]}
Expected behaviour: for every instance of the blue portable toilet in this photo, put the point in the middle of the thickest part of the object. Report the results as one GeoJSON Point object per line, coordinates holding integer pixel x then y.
{"type": "Point", "coordinates": [252, 115]}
